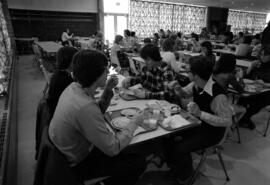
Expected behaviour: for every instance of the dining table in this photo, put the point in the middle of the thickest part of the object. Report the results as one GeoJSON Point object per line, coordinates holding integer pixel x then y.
{"type": "Point", "coordinates": [50, 48]}
{"type": "Point", "coordinates": [118, 103]}
{"type": "Point", "coordinates": [159, 131]}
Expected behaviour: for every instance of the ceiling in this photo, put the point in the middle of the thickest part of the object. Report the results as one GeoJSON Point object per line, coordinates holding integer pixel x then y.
{"type": "Point", "coordinates": [247, 5]}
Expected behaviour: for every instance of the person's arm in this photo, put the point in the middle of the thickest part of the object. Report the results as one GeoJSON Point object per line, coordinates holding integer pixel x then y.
{"type": "Point", "coordinates": [168, 76]}
{"type": "Point", "coordinates": [223, 112]}
{"type": "Point", "coordinates": [93, 126]}
{"type": "Point", "coordinates": [105, 100]}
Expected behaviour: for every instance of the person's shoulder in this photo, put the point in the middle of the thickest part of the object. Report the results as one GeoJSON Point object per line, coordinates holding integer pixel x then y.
{"type": "Point", "coordinates": [217, 90]}
{"type": "Point", "coordinates": [165, 67]}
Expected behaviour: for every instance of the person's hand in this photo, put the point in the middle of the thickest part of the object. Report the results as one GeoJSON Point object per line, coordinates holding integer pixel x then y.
{"type": "Point", "coordinates": [194, 109]}
{"type": "Point", "coordinates": [117, 69]}
{"type": "Point", "coordinates": [255, 64]}
{"type": "Point", "coordinates": [126, 83]}
{"type": "Point", "coordinates": [138, 118]}
{"type": "Point", "coordinates": [172, 84]}
{"type": "Point", "coordinates": [112, 82]}
{"type": "Point", "coordinates": [139, 93]}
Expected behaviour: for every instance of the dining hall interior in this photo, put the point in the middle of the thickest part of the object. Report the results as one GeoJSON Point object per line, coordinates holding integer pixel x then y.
{"type": "Point", "coordinates": [134, 92]}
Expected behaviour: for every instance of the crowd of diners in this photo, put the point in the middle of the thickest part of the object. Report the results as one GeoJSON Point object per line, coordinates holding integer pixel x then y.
{"type": "Point", "coordinates": [80, 131]}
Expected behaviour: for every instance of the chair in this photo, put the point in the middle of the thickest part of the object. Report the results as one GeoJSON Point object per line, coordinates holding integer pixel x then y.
{"type": "Point", "coordinates": [124, 63]}
{"type": "Point", "coordinates": [43, 119]}
{"type": "Point", "coordinates": [52, 166]}
{"type": "Point", "coordinates": [38, 56]}
{"type": "Point", "coordinates": [263, 116]}
{"type": "Point", "coordinates": [217, 149]}
{"type": "Point", "coordinates": [239, 111]}
{"type": "Point", "coordinates": [47, 76]}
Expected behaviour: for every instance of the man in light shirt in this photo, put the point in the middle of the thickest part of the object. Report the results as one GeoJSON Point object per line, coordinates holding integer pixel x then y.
{"type": "Point", "coordinates": [66, 38]}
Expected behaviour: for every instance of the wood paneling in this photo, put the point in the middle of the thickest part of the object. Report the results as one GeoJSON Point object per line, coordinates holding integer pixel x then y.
{"type": "Point", "coordinates": [49, 25]}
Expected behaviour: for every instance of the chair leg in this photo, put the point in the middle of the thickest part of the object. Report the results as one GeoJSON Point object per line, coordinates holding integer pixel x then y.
{"type": "Point", "coordinates": [238, 133]}
{"type": "Point", "coordinates": [265, 132]}
{"type": "Point", "coordinates": [222, 163]}
{"type": "Point", "coordinates": [197, 170]}
{"type": "Point", "coordinates": [45, 88]}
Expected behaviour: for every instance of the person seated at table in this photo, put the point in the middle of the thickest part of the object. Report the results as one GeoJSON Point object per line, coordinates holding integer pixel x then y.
{"type": "Point", "coordinates": [126, 39]}
{"type": "Point", "coordinates": [61, 78]}
{"type": "Point", "coordinates": [256, 43]}
{"type": "Point", "coordinates": [66, 38]}
{"type": "Point", "coordinates": [204, 33]}
{"type": "Point", "coordinates": [80, 131]}
{"type": "Point", "coordinates": [227, 37]}
{"type": "Point", "coordinates": [195, 43]}
{"type": "Point", "coordinates": [179, 45]}
{"type": "Point", "coordinates": [259, 70]}
{"type": "Point", "coordinates": [156, 39]}
{"type": "Point", "coordinates": [154, 77]}
{"type": "Point", "coordinates": [244, 49]}
{"type": "Point", "coordinates": [98, 43]}
{"type": "Point", "coordinates": [211, 105]}
{"type": "Point", "coordinates": [133, 38]}
{"type": "Point", "coordinates": [207, 52]}
{"type": "Point", "coordinates": [168, 55]}
{"type": "Point", "coordinates": [116, 48]}
{"type": "Point", "coordinates": [239, 39]}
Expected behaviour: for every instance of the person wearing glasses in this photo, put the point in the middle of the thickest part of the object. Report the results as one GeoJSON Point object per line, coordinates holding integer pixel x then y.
{"type": "Point", "coordinates": [259, 71]}
{"type": "Point", "coordinates": [211, 105]}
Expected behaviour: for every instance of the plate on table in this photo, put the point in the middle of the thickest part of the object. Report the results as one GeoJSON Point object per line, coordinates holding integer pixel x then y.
{"type": "Point", "coordinates": [253, 88]}
{"type": "Point", "coordinates": [129, 112]}
{"type": "Point", "coordinates": [127, 94]}
{"type": "Point", "coordinates": [248, 81]}
{"type": "Point", "coordinates": [120, 122]}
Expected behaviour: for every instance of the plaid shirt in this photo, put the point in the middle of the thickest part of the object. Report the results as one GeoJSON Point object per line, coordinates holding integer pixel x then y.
{"type": "Point", "coordinates": [98, 45]}
{"type": "Point", "coordinates": [156, 81]}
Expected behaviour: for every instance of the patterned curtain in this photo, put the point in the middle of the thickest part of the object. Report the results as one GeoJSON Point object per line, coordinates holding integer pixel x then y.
{"type": "Point", "coordinates": [5, 47]}
{"type": "Point", "coordinates": [146, 17]}
{"type": "Point", "coordinates": [189, 19]}
{"type": "Point", "coordinates": [246, 21]}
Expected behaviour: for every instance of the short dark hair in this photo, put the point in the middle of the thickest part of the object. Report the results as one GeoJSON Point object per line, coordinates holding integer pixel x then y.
{"type": "Point", "coordinates": [200, 66]}
{"type": "Point", "coordinates": [241, 34]}
{"type": "Point", "coordinates": [132, 34]}
{"type": "Point", "coordinates": [225, 64]}
{"type": "Point", "coordinates": [147, 41]}
{"type": "Point", "coordinates": [168, 44]}
{"type": "Point", "coordinates": [266, 49]}
{"type": "Point", "coordinates": [247, 40]}
{"type": "Point", "coordinates": [194, 35]}
{"type": "Point", "coordinates": [208, 46]}
{"type": "Point", "coordinates": [127, 32]}
{"type": "Point", "coordinates": [88, 66]}
{"type": "Point", "coordinates": [64, 57]}
{"type": "Point", "coordinates": [151, 51]}
{"type": "Point", "coordinates": [118, 39]}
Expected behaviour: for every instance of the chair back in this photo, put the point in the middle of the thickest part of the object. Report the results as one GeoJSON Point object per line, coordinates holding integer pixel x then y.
{"type": "Point", "coordinates": [43, 119]}
{"type": "Point", "coordinates": [52, 166]}
{"type": "Point", "coordinates": [36, 50]}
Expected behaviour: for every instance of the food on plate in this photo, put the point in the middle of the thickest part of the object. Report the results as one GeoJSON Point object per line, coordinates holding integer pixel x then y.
{"type": "Point", "coordinates": [129, 112]}
{"type": "Point", "coordinates": [120, 122]}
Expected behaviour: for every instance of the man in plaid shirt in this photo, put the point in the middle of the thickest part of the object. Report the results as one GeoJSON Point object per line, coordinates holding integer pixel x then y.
{"type": "Point", "coordinates": [154, 77]}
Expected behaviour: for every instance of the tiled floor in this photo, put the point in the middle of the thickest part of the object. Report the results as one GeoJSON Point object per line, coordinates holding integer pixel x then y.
{"type": "Point", "coordinates": [247, 163]}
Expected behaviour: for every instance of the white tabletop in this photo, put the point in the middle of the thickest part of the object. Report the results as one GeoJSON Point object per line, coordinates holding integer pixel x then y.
{"type": "Point", "coordinates": [189, 53]}
{"type": "Point", "coordinates": [49, 46]}
{"type": "Point", "coordinates": [224, 51]}
{"type": "Point", "coordinates": [240, 62]}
